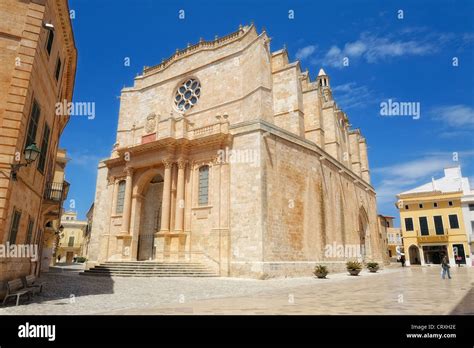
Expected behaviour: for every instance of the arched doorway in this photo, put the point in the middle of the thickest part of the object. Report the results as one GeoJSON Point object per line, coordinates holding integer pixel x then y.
{"type": "Point", "coordinates": [363, 232]}
{"type": "Point", "coordinates": [150, 219]}
{"type": "Point", "coordinates": [414, 254]}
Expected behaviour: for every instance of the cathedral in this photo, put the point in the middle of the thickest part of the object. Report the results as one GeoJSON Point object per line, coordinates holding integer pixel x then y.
{"type": "Point", "coordinates": [229, 155]}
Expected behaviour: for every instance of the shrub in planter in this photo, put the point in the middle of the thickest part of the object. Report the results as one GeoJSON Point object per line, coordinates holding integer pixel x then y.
{"type": "Point", "coordinates": [320, 271]}
{"type": "Point", "coordinates": [373, 266]}
{"type": "Point", "coordinates": [353, 267]}
{"type": "Point", "coordinates": [81, 259]}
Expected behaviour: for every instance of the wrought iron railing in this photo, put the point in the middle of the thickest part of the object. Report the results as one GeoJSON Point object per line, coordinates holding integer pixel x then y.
{"type": "Point", "coordinates": [56, 191]}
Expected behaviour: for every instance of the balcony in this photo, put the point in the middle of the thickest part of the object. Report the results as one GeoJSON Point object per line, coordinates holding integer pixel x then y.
{"type": "Point", "coordinates": [180, 130]}
{"type": "Point", "coordinates": [56, 191]}
{"type": "Point", "coordinates": [432, 237]}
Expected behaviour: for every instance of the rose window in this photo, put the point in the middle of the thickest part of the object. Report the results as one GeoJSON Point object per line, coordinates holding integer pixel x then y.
{"type": "Point", "coordinates": [187, 94]}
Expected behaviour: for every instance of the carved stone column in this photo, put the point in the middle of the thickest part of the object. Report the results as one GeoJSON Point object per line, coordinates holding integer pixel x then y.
{"type": "Point", "coordinates": [179, 217]}
{"type": "Point", "coordinates": [166, 202]}
{"type": "Point", "coordinates": [127, 204]}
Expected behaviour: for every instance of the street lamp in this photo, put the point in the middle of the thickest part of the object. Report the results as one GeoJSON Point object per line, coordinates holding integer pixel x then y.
{"type": "Point", "coordinates": [31, 154]}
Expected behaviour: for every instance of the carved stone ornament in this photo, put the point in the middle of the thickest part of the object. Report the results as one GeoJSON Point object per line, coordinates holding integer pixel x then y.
{"type": "Point", "coordinates": [327, 94]}
{"type": "Point", "coordinates": [150, 124]}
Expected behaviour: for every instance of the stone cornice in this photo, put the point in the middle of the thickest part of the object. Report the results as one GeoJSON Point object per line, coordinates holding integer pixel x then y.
{"type": "Point", "coordinates": [200, 46]}
{"type": "Point", "coordinates": [265, 127]}
{"type": "Point", "coordinates": [66, 29]}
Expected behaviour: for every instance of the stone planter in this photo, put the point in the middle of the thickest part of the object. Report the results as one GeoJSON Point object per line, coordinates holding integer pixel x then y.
{"type": "Point", "coordinates": [373, 269]}
{"type": "Point", "coordinates": [354, 272]}
{"type": "Point", "coordinates": [321, 275]}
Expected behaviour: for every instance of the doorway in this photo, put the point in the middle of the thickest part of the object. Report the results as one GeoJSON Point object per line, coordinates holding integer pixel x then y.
{"type": "Point", "coordinates": [69, 257]}
{"type": "Point", "coordinates": [414, 254]}
{"type": "Point", "coordinates": [151, 219]}
{"type": "Point", "coordinates": [434, 253]}
{"type": "Point", "coordinates": [459, 255]}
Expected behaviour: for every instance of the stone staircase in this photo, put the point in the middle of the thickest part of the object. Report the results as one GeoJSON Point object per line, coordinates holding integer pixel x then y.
{"type": "Point", "coordinates": [150, 269]}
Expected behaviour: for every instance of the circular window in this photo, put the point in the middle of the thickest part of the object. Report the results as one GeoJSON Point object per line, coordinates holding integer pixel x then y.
{"type": "Point", "coordinates": [187, 94]}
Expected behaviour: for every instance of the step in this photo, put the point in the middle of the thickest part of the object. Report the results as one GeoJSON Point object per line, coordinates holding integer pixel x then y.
{"type": "Point", "coordinates": [149, 275]}
{"type": "Point", "coordinates": [149, 272]}
{"type": "Point", "coordinates": [149, 263]}
{"type": "Point", "coordinates": [150, 269]}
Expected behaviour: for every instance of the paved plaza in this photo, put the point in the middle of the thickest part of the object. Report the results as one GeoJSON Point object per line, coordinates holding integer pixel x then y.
{"type": "Point", "coordinates": [394, 290]}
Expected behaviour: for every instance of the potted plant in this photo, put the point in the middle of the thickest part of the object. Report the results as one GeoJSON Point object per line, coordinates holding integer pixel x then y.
{"type": "Point", "coordinates": [320, 271]}
{"type": "Point", "coordinates": [373, 266]}
{"type": "Point", "coordinates": [354, 267]}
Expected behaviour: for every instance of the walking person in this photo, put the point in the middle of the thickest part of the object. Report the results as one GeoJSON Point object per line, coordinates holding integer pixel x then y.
{"type": "Point", "coordinates": [402, 260]}
{"type": "Point", "coordinates": [445, 266]}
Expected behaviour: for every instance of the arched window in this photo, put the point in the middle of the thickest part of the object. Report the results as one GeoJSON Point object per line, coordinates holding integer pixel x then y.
{"type": "Point", "coordinates": [120, 197]}
{"type": "Point", "coordinates": [203, 194]}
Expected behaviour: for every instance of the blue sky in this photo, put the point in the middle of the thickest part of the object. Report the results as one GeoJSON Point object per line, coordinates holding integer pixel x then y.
{"type": "Point", "coordinates": [407, 59]}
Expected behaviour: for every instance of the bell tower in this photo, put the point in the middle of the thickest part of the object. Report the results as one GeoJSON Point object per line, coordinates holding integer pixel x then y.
{"type": "Point", "coordinates": [322, 79]}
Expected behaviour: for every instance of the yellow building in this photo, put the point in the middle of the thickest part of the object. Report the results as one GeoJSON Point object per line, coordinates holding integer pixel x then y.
{"type": "Point", "coordinates": [72, 238]}
{"type": "Point", "coordinates": [432, 221]}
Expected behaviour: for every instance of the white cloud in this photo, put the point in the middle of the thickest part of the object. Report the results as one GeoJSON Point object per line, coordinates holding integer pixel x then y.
{"type": "Point", "coordinates": [401, 177]}
{"type": "Point", "coordinates": [355, 48]}
{"type": "Point", "coordinates": [305, 52]}
{"type": "Point", "coordinates": [373, 49]}
{"type": "Point", "coordinates": [85, 160]}
{"type": "Point", "coordinates": [351, 95]}
{"type": "Point", "coordinates": [456, 116]}
{"type": "Point", "coordinates": [416, 169]}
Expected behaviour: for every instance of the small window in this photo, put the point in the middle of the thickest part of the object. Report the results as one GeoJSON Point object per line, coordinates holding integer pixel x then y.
{"type": "Point", "coordinates": [453, 221]}
{"type": "Point", "coordinates": [44, 148]}
{"type": "Point", "coordinates": [435, 205]}
{"type": "Point", "coordinates": [71, 241]}
{"type": "Point", "coordinates": [471, 207]}
{"type": "Point", "coordinates": [424, 226]}
{"type": "Point", "coordinates": [33, 124]}
{"type": "Point", "coordinates": [420, 206]}
{"type": "Point", "coordinates": [406, 207]}
{"type": "Point", "coordinates": [438, 221]}
{"type": "Point", "coordinates": [203, 185]}
{"type": "Point", "coordinates": [14, 226]}
{"type": "Point", "coordinates": [29, 231]}
{"type": "Point", "coordinates": [120, 197]}
{"type": "Point", "coordinates": [408, 224]}
{"type": "Point", "coordinates": [450, 203]}
{"type": "Point", "coordinates": [49, 41]}
{"type": "Point", "coordinates": [58, 69]}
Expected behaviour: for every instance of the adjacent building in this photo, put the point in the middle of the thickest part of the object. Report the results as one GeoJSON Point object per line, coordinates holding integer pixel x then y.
{"type": "Point", "coordinates": [38, 64]}
{"type": "Point", "coordinates": [467, 206]}
{"type": "Point", "coordinates": [87, 234]}
{"type": "Point", "coordinates": [54, 197]}
{"type": "Point", "coordinates": [432, 220]}
{"type": "Point", "coordinates": [71, 243]}
{"type": "Point", "coordinates": [392, 236]}
{"type": "Point", "coordinates": [229, 154]}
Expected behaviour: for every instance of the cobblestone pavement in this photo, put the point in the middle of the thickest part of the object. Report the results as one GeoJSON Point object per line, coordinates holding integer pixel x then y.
{"type": "Point", "coordinates": [394, 290]}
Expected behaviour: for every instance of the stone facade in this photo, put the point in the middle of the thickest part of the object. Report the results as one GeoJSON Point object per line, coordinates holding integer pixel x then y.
{"type": "Point", "coordinates": [229, 154]}
{"type": "Point", "coordinates": [29, 75]}
{"type": "Point", "coordinates": [71, 242]}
